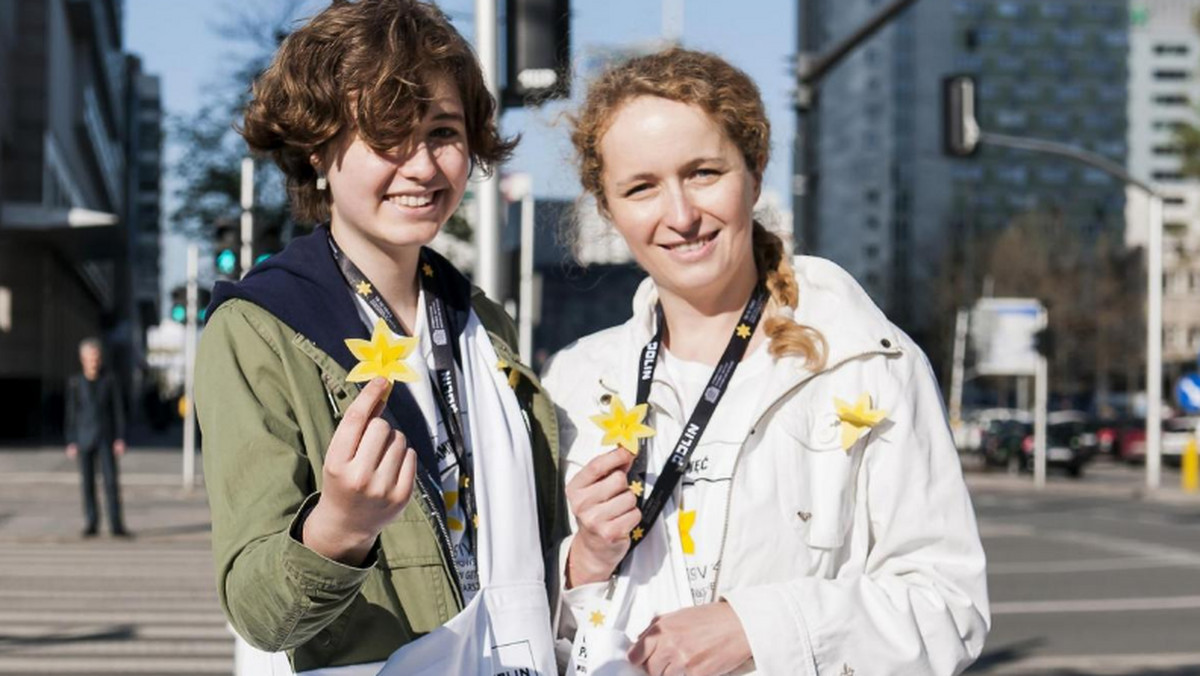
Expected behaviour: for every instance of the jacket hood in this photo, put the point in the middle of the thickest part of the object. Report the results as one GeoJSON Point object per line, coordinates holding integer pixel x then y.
{"type": "Point", "coordinates": [303, 287]}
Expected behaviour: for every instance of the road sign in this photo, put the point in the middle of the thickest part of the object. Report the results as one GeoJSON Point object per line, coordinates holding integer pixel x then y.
{"type": "Point", "coordinates": [1187, 392]}
{"type": "Point", "coordinates": [1002, 333]}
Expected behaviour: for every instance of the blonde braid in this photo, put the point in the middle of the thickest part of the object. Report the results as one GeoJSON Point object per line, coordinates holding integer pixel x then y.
{"type": "Point", "coordinates": [775, 271]}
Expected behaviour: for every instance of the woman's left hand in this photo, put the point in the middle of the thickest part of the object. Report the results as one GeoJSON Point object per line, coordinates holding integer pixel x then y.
{"type": "Point", "coordinates": [706, 640]}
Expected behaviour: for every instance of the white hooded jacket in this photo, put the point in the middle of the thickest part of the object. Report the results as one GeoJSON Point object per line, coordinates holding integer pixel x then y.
{"type": "Point", "coordinates": [863, 562]}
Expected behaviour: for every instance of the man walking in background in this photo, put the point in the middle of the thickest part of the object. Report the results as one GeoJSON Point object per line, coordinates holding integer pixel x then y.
{"type": "Point", "coordinates": [96, 432]}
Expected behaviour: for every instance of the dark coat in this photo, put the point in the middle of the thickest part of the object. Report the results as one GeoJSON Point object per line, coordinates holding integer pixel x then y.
{"type": "Point", "coordinates": [96, 414]}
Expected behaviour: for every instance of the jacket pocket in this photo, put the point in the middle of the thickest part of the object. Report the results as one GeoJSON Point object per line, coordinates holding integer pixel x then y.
{"type": "Point", "coordinates": [824, 512]}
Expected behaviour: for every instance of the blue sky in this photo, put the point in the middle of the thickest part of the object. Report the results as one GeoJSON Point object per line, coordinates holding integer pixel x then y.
{"type": "Point", "coordinates": [177, 40]}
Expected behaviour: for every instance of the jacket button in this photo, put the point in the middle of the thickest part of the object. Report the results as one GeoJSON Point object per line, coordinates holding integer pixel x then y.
{"type": "Point", "coordinates": [605, 399]}
{"type": "Point", "coordinates": [885, 342]}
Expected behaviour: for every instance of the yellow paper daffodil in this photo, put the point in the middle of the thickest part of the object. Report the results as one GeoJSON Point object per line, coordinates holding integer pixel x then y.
{"type": "Point", "coordinates": [382, 356]}
{"type": "Point", "coordinates": [687, 519]}
{"type": "Point", "coordinates": [856, 419]}
{"type": "Point", "coordinates": [597, 618]}
{"type": "Point", "coordinates": [624, 427]}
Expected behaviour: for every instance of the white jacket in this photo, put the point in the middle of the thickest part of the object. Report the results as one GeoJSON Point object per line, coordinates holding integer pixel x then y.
{"type": "Point", "coordinates": [864, 562]}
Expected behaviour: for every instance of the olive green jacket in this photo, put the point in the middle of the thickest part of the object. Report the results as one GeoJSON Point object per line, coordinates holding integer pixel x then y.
{"type": "Point", "coordinates": [268, 401]}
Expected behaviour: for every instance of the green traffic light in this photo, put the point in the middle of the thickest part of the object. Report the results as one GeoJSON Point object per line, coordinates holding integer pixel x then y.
{"type": "Point", "coordinates": [203, 314]}
{"type": "Point", "coordinates": [261, 257]}
{"type": "Point", "coordinates": [227, 262]}
{"type": "Point", "coordinates": [178, 313]}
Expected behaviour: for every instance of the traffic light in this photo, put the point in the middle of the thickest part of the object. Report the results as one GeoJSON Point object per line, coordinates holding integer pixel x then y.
{"type": "Point", "coordinates": [539, 51]}
{"type": "Point", "coordinates": [268, 241]}
{"type": "Point", "coordinates": [179, 304]}
{"type": "Point", "coordinates": [960, 130]}
{"type": "Point", "coordinates": [227, 249]}
{"type": "Point", "coordinates": [1043, 342]}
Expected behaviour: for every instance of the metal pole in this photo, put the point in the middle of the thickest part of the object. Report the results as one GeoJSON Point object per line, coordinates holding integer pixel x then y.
{"type": "Point", "coordinates": [1154, 335]}
{"type": "Point", "coordinates": [247, 214]}
{"type": "Point", "coordinates": [956, 375]}
{"type": "Point", "coordinates": [525, 320]}
{"type": "Point", "coordinates": [1040, 405]}
{"type": "Point", "coordinates": [189, 379]}
{"type": "Point", "coordinates": [487, 230]}
{"type": "Point", "coordinates": [1154, 282]}
{"type": "Point", "coordinates": [672, 25]}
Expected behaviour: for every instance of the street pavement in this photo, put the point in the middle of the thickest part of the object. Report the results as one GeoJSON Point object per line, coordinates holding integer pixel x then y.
{"type": "Point", "coordinates": [78, 606]}
{"type": "Point", "coordinates": [1091, 577]}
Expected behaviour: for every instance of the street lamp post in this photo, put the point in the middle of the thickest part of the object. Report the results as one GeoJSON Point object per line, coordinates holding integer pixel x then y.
{"type": "Point", "coordinates": [487, 227]}
{"type": "Point", "coordinates": [1154, 275]}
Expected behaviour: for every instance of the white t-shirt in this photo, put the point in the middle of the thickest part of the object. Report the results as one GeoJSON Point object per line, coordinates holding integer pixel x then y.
{"type": "Point", "coordinates": [448, 474]}
{"type": "Point", "coordinates": [703, 494]}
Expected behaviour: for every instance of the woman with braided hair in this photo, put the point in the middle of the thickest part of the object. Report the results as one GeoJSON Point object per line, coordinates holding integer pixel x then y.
{"type": "Point", "coordinates": [759, 470]}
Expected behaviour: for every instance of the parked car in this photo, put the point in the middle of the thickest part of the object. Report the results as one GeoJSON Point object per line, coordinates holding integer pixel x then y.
{"type": "Point", "coordinates": [1000, 443]}
{"type": "Point", "coordinates": [1131, 440]}
{"type": "Point", "coordinates": [1071, 443]}
{"type": "Point", "coordinates": [1176, 432]}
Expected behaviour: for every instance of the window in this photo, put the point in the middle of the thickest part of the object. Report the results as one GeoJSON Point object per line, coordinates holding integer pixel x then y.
{"type": "Point", "coordinates": [1171, 99]}
{"type": "Point", "coordinates": [5, 309]}
{"type": "Point", "coordinates": [1054, 175]}
{"type": "Point", "coordinates": [1171, 75]}
{"type": "Point", "coordinates": [1168, 125]}
{"type": "Point", "coordinates": [1171, 50]}
{"type": "Point", "coordinates": [1166, 150]}
{"type": "Point", "coordinates": [871, 251]}
{"type": "Point", "coordinates": [1054, 9]}
{"type": "Point", "coordinates": [1009, 9]}
{"type": "Point", "coordinates": [1174, 201]}
{"type": "Point", "coordinates": [872, 223]}
{"type": "Point", "coordinates": [1167, 176]}
{"type": "Point", "coordinates": [1011, 118]}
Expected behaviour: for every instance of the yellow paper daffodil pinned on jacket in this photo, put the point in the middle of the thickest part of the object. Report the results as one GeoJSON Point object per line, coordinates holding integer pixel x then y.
{"type": "Point", "coordinates": [622, 426]}
{"type": "Point", "coordinates": [856, 420]}
{"type": "Point", "coordinates": [382, 356]}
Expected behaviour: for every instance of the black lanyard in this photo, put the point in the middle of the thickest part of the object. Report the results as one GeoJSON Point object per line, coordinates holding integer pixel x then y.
{"type": "Point", "coordinates": [443, 377]}
{"type": "Point", "coordinates": [676, 464]}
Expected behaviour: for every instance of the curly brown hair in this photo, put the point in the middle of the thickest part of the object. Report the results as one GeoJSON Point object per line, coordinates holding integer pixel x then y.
{"type": "Point", "coordinates": [367, 67]}
{"type": "Point", "coordinates": [733, 101]}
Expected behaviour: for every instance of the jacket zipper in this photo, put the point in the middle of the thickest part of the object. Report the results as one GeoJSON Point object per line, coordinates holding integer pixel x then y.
{"type": "Point", "coordinates": [444, 541]}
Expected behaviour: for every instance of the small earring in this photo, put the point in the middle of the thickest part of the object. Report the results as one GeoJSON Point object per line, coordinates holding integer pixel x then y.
{"type": "Point", "coordinates": [322, 184]}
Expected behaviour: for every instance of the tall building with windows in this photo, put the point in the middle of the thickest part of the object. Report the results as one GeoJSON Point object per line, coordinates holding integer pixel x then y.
{"type": "Point", "coordinates": [75, 244]}
{"type": "Point", "coordinates": [879, 177]}
{"type": "Point", "coordinates": [891, 206]}
{"type": "Point", "coordinates": [1164, 92]}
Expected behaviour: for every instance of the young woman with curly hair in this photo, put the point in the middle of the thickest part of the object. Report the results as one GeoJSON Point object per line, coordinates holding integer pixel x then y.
{"type": "Point", "coordinates": [355, 522]}
{"type": "Point", "coordinates": [759, 471]}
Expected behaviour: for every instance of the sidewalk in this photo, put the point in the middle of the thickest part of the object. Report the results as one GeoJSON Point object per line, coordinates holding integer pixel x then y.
{"type": "Point", "coordinates": [1102, 479]}
{"type": "Point", "coordinates": [40, 496]}
{"type": "Point", "coordinates": [142, 466]}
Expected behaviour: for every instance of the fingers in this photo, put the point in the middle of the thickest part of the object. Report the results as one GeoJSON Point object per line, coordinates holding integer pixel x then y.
{"type": "Point", "coordinates": [604, 465]}
{"type": "Point", "coordinates": [371, 447]}
{"type": "Point", "coordinates": [600, 480]}
{"type": "Point", "coordinates": [407, 476]}
{"type": "Point", "coordinates": [387, 473]}
{"type": "Point", "coordinates": [366, 407]}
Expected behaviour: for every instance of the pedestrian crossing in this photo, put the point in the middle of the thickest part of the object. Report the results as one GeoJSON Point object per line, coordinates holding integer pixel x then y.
{"type": "Point", "coordinates": [104, 606]}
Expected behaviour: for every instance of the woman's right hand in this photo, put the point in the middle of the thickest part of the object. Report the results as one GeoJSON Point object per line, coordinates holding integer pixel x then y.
{"type": "Point", "coordinates": [367, 479]}
{"type": "Point", "coordinates": [606, 512]}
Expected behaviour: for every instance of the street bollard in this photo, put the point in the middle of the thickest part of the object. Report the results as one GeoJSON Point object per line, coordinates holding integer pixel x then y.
{"type": "Point", "coordinates": [1190, 474]}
